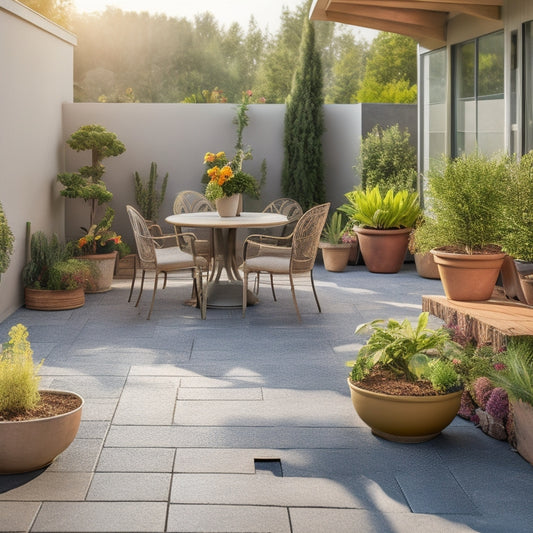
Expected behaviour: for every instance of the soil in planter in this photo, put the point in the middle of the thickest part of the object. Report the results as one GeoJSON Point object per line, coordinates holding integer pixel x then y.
{"type": "Point", "coordinates": [487, 250]}
{"type": "Point", "coordinates": [386, 382]}
{"type": "Point", "coordinates": [50, 404]}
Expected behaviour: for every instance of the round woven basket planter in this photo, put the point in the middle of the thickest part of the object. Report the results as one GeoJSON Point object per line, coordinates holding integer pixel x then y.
{"type": "Point", "coordinates": [106, 266]}
{"type": "Point", "coordinates": [468, 278]}
{"type": "Point", "coordinates": [408, 419]}
{"type": "Point", "coordinates": [27, 445]}
{"type": "Point", "coordinates": [45, 300]}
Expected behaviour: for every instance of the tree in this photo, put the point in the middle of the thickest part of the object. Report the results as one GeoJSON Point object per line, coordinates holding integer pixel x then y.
{"type": "Point", "coordinates": [391, 70]}
{"type": "Point", "coordinates": [303, 173]}
{"type": "Point", "coordinates": [60, 11]}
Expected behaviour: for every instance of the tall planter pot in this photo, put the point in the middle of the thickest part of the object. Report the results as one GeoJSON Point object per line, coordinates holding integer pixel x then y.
{"type": "Point", "coordinates": [106, 266]}
{"type": "Point", "coordinates": [383, 250]}
{"type": "Point", "coordinates": [335, 256]}
{"type": "Point", "coordinates": [469, 278]}
{"type": "Point", "coordinates": [48, 300]}
{"type": "Point", "coordinates": [27, 445]}
{"type": "Point", "coordinates": [408, 419]}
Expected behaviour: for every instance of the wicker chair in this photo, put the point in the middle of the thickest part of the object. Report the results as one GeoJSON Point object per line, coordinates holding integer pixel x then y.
{"type": "Point", "coordinates": [195, 202]}
{"type": "Point", "coordinates": [154, 257]}
{"type": "Point", "coordinates": [298, 253]}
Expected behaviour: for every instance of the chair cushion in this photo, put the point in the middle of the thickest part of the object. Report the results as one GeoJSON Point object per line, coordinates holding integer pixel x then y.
{"type": "Point", "coordinates": [268, 263]}
{"type": "Point", "coordinates": [173, 259]}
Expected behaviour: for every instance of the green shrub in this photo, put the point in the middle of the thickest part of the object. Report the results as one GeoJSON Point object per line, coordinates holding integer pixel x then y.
{"type": "Point", "coordinates": [19, 380]}
{"type": "Point", "coordinates": [6, 241]}
{"type": "Point", "coordinates": [444, 377]}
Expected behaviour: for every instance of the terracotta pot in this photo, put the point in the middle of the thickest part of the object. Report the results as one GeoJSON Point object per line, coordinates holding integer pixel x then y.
{"type": "Point", "coordinates": [383, 250]}
{"type": "Point", "coordinates": [426, 266]}
{"type": "Point", "coordinates": [523, 425]}
{"type": "Point", "coordinates": [511, 280]}
{"type": "Point", "coordinates": [335, 256]}
{"type": "Point", "coordinates": [227, 206]}
{"type": "Point", "coordinates": [527, 290]}
{"type": "Point", "coordinates": [28, 445]}
{"type": "Point", "coordinates": [354, 252]}
{"type": "Point", "coordinates": [45, 300]}
{"type": "Point", "coordinates": [408, 419]}
{"type": "Point", "coordinates": [468, 277]}
{"type": "Point", "coordinates": [106, 267]}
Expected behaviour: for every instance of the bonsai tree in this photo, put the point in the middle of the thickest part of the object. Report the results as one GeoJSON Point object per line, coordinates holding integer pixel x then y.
{"type": "Point", "coordinates": [88, 183]}
{"type": "Point", "coordinates": [6, 241]}
{"type": "Point", "coordinates": [387, 160]}
{"type": "Point", "coordinates": [148, 198]}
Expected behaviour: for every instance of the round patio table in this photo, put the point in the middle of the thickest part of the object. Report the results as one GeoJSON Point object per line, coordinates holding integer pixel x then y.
{"type": "Point", "coordinates": [226, 293]}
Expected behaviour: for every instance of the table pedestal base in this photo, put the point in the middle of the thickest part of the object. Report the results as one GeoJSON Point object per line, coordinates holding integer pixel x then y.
{"type": "Point", "coordinates": [227, 294]}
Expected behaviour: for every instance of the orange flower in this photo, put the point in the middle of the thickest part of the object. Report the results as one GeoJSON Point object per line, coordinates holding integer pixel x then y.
{"type": "Point", "coordinates": [82, 242]}
{"type": "Point", "coordinates": [209, 157]}
{"type": "Point", "coordinates": [213, 173]}
{"type": "Point", "coordinates": [220, 155]}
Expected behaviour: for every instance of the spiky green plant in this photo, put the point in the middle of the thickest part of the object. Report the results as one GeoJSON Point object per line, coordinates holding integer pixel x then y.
{"type": "Point", "coordinates": [19, 379]}
{"type": "Point", "coordinates": [148, 198]}
{"type": "Point", "coordinates": [334, 229]}
{"type": "Point", "coordinates": [6, 241]}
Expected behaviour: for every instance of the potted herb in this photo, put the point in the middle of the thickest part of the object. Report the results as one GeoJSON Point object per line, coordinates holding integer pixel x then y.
{"type": "Point", "coordinates": [517, 231]}
{"type": "Point", "coordinates": [35, 425]}
{"type": "Point", "coordinates": [404, 384]}
{"type": "Point", "coordinates": [53, 279]}
{"type": "Point", "coordinates": [517, 379]}
{"type": "Point", "coordinates": [462, 228]}
{"type": "Point", "coordinates": [383, 224]}
{"type": "Point", "coordinates": [335, 252]}
{"type": "Point", "coordinates": [6, 241]}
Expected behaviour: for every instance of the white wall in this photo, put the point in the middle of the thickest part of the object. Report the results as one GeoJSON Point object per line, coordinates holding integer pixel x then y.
{"type": "Point", "coordinates": [36, 66]}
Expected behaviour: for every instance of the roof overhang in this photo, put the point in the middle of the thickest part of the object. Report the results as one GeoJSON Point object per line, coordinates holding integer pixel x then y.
{"type": "Point", "coordinates": [423, 20]}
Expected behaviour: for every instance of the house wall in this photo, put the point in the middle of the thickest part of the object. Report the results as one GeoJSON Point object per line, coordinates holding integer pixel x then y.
{"type": "Point", "coordinates": [177, 136]}
{"type": "Point", "coordinates": [36, 65]}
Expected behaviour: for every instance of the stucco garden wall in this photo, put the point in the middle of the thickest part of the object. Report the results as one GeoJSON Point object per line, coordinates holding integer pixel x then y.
{"type": "Point", "coordinates": [36, 62]}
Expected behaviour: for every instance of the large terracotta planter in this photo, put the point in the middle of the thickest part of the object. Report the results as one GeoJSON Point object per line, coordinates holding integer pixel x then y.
{"type": "Point", "coordinates": [228, 205]}
{"type": "Point", "coordinates": [523, 425]}
{"type": "Point", "coordinates": [406, 419]}
{"type": "Point", "coordinates": [32, 444]}
{"type": "Point", "coordinates": [46, 300]}
{"type": "Point", "coordinates": [468, 277]}
{"type": "Point", "coordinates": [335, 256]}
{"type": "Point", "coordinates": [383, 250]}
{"type": "Point", "coordinates": [106, 267]}
{"type": "Point", "coordinates": [426, 266]}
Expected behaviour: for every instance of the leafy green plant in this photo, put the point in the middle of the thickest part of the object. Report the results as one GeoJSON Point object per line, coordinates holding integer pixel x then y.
{"type": "Point", "coordinates": [517, 375]}
{"type": "Point", "coordinates": [387, 160]}
{"type": "Point", "coordinates": [370, 209]}
{"type": "Point", "coordinates": [408, 352]}
{"type": "Point", "coordinates": [334, 229]}
{"type": "Point", "coordinates": [87, 183]}
{"type": "Point", "coordinates": [444, 376]}
{"type": "Point", "coordinates": [52, 266]}
{"type": "Point", "coordinates": [517, 219]}
{"type": "Point", "coordinates": [466, 199]}
{"type": "Point", "coordinates": [19, 379]}
{"type": "Point", "coordinates": [148, 198]}
{"type": "Point", "coordinates": [6, 241]}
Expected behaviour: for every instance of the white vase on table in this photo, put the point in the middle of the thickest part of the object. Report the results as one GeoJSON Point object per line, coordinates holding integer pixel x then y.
{"type": "Point", "coordinates": [227, 206]}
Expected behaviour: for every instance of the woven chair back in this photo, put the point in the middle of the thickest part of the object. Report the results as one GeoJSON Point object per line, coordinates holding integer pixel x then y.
{"type": "Point", "coordinates": [288, 207]}
{"type": "Point", "coordinates": [191, 202]}
{"type": "Point", "coordinates": [143, 239]}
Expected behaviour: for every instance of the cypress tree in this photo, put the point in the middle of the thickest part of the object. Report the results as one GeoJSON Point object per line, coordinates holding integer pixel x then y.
{"type": "Point", "coordinates": [303, 172]}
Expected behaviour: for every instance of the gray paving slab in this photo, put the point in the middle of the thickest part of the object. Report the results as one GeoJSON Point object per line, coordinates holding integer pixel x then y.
{"type": "Point", "coordinates": [129, 486]}
{"type": "Point", "coordinates": [106, 517]}
{"type": "Point", "coordinates": [136, 460]}
{"type": "Point", "coordinates": [220, 394]}
{"type": "Point", "coordinates": [17, 516]}
{"type": "Point", "coordinates": [224, 518]}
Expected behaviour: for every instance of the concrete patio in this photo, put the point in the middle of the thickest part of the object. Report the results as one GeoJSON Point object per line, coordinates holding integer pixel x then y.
{"type": "Point", "coordinates": [232, 425]}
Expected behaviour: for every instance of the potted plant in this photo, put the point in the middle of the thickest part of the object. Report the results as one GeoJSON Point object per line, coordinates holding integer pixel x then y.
{"type": "Point", "coordinates": [335, 252]}
{"type": "Point", "coordinates": [53, 279]}
{"type": "Point", "coordinates": [383, 224]}
{"type": "Point", "coordinates": [35, 425]}
{"type": "Point", "coordinates": [404, 384]}
{"type": "Point", "coordinates": [462, 226]}
{"type": "Point", "coordinates": [6, 241]}
{"type": "Point", "coordinates": [424, 259]}
{"type": "Point", "coordinates": [227, 182]}
{"type": "Point", "coordinates": [148, 198]}
{"type": "Point", "coordinates": [88, 185]}
{"type": "Point", "coordinates": [516, 378]}
{"type": "Point", "coordinates": [517, 231]}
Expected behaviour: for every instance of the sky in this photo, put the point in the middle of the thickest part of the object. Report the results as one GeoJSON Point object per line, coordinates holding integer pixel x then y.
{"type": "Point", "coordinates": [267, 13]}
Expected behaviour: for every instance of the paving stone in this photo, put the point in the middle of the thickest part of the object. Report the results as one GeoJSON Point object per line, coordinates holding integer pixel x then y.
{"type": "Point", "coordinates": [95, 409]}
{"type": "Point", "coordinates": [104, 517]}
{"type": "Point", "coordinates": [230, 461]}
{"type": "Point", "coordinates": [80, 456]}
{"type": "Point", "coordinates": [129, 487]}
{"type": "Point", "coordinates": [219, 394]}
{"type": "Point", "coordinates": [206, 382]}
{"type": "Point", "coordinates": [234, 518]}
{"type": "Point", "coordinates": [136, 460]}
{"type": "Point", "coordinates": [17, 516]}
{"type": "Point", "coordinates": [92, 429]}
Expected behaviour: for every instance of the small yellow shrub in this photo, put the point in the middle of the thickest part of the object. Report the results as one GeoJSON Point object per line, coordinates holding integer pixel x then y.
{"type": "Point", "coordinates": [19, 380]}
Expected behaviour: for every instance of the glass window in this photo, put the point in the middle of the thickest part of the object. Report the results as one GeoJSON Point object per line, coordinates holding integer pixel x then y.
{"type": "Point", "coordinates": [479, 109]}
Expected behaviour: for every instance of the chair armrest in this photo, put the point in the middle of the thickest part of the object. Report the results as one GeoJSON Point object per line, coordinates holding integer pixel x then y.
{"type": "Point", "coordinates": [256, 242]}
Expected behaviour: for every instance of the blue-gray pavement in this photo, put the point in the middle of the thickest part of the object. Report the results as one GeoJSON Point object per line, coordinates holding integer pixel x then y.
{"type": "Point", "coordinates": [246, 425]}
